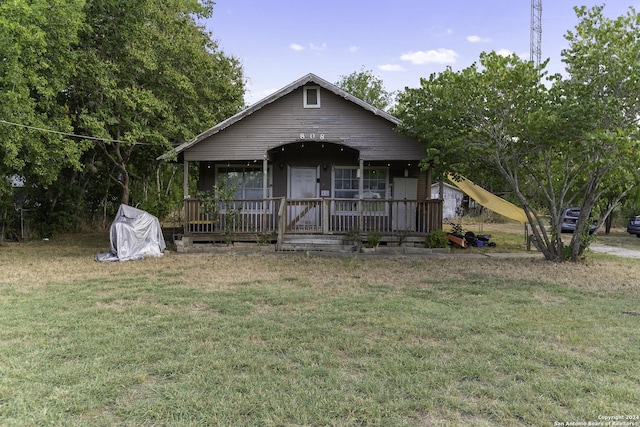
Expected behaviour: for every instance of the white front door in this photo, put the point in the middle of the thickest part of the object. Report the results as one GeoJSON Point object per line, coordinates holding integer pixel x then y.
{"type": "Point", "coordinates": [303, 184]}
{"type": "Point", "coordinates": [404, 213]}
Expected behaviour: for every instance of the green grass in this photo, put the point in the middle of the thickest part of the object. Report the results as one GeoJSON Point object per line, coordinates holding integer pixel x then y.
{"type": "Point", "coordinates": [290, 341]}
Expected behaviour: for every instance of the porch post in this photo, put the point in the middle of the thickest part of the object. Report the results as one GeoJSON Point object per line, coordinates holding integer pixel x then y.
{"type": "Point", "coordinates": [186, 204]}
{"type": "Point", "coordinates": [361, 191]}
{"type": "Point", "coordinates": [265, 192]}
{"type": "Point", "coordinates": [185, 179]}
{"type": "Point", "coordinates": [361, 176]}
{"type": "Point", "coordinates": [265, 178]}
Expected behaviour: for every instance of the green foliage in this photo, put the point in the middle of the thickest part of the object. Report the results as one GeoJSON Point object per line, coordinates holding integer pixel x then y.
{"type": "Point", "coordinates": [373, 239]}
{"type": "Point", "coordinates": [144, 73]}
{"type": "Point", "coordinates": [436, 239]}
{"type": "Point", "coordinates": [151, 77]}
{"type": "Point", "coordinates": [368, 87]}
{"type": "Point", "coordinates": [38, 56]}
{"type": "Point", "coordinates": [562, 143]}
{"type": "Point", "coordinates": [264, 237]}
{"type": "Point", "coordinates": [220, 202]}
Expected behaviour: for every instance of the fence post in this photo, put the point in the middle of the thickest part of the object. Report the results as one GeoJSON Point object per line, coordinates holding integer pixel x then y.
{"type": "Point", "coordinates": [282, 223]}
{"type": "Point", "coordinates": [325, 216]}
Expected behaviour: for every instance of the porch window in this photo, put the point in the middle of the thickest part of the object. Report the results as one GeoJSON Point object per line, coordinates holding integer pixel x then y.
{"type": "Point", "coordinates": [246, 182]}
{"type": "Point", "coordinates": [346, 185]}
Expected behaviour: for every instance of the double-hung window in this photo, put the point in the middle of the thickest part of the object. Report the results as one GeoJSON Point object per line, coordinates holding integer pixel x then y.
{"type": "Point", "coordinates": [346, 185]}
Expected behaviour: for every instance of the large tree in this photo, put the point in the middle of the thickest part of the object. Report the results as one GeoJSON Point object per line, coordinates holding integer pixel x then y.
{"type": "Point", "coordinates": [150, 77]}
{"type": "Point", "coordinates": [368, 87]}
{"type": "Point", "coordinates": [38, 41]}
{"type": "Point", "coordinates": [568, 142]}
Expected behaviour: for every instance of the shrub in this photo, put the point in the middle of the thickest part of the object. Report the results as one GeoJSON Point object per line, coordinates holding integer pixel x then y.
{"type": "Point", "coordinates": [373, 239]}
{"type": "Point", "coordinates": [436, 239]}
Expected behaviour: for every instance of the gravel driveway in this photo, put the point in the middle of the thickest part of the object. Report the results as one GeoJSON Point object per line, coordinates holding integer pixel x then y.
{"type": "Point", "coordinates": [613, 250]}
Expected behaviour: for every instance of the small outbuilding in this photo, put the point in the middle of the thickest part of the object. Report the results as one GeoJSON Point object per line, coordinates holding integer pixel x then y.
{"type": "Point", "coordinates": [452, 199]}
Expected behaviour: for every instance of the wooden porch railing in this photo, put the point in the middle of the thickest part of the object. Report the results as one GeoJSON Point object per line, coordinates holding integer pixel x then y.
{"type": "Point", "coordinates": [318, 216]}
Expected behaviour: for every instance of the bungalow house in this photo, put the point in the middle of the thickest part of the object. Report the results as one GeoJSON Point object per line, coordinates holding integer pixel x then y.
{"type": "Point", "coordinates": [309, 160]}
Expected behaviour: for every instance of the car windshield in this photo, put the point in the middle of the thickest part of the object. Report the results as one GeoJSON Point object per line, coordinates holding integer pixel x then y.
{"type": "Point", "coordinates": [573, 212]}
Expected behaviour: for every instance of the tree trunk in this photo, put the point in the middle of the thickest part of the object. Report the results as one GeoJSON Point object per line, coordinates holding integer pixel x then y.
{"type": "Point", "coordinates": [3, 222]}
{"type": "Point", "coordinates": [126, 191]}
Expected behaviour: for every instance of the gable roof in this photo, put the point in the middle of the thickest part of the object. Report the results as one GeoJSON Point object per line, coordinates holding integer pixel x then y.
{"type": "Point", "coordinates": [436, 185]}
{"type": "Point", "coordinates": [308, 79]}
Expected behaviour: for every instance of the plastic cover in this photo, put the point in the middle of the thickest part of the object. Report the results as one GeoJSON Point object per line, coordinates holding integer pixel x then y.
{"type": "Point", "coordinates": [489, 200]}
{"type": "Point", "coordinates": [134, 234]}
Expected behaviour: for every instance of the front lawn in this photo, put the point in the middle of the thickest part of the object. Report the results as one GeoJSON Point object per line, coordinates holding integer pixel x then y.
{"type": "Point", "coordinates": [290, 340]}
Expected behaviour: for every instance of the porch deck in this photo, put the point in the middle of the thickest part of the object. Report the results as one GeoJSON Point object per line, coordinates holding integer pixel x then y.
{"type": "Point", "coordinates": [271, 220]}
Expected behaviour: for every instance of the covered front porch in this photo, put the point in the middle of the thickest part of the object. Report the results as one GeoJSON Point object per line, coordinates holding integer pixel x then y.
{"type": "Point", "coordinates": [273, 220]}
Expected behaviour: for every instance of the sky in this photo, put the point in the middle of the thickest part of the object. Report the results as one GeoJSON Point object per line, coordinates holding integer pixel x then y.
{"type": "Point", "coordinates": [400, 41]}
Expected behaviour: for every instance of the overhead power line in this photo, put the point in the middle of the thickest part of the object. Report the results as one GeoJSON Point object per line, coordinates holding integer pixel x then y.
{"type": "Point", "coordinates": [73, 135]}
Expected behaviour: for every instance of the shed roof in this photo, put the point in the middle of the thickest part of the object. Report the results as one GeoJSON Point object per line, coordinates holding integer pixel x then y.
{"type": "Point", "coordinates": [309, 78]}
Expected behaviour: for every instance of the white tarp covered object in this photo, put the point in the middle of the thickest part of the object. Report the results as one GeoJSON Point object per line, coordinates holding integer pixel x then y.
{"type": "Point", "coordinates": [134, 234]}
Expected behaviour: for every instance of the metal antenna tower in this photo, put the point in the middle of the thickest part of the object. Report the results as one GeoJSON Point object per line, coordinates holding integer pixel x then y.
{"type": "Point", "coordinates": [536, 31]}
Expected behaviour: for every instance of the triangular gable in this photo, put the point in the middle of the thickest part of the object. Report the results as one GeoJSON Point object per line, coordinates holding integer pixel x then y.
{"type": "Point", "coordinates": [309, 78]}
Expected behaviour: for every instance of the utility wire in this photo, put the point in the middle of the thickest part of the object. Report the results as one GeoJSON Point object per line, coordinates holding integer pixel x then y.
{"type": "Point", "coordinates": [93, 138]}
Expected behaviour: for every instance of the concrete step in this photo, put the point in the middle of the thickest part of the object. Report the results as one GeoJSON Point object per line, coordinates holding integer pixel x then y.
{"type": "Point", "coordinates": [312, 247]}
{"type": "Point", "coordinates": [315, 242]}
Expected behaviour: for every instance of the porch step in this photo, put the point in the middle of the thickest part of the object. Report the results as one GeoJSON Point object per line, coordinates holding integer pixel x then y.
{"type": "Point", "coordinates": [315, 242]}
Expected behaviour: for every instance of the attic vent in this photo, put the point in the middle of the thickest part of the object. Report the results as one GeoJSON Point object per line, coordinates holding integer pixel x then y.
{"type": "Point", "coordinates": [311, 97]}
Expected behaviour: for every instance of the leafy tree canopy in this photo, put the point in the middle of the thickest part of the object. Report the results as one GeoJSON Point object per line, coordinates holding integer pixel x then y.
{"type": "Point", "coordinates": [368, 87]}
{"type": "Point", "coordinates": [38, 45]}
{"type": "Point", "coordinates": [570, 141]}
{"type": "Point", "coordinates": [142, 75]}
{"type": "Point", "coordinates": [151, 77]}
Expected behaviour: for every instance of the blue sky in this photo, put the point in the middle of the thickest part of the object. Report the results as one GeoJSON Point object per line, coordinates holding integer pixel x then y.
{"type": "Point", "coordinates": [279, 41]}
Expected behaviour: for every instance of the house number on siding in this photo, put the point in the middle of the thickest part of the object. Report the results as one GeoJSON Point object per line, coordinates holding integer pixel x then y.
{"type": "Point", "coordinates": [318, 136]}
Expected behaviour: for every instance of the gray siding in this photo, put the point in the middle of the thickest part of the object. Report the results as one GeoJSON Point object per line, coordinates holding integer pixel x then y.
{"type": "Point", "coordinates": [283, 121]}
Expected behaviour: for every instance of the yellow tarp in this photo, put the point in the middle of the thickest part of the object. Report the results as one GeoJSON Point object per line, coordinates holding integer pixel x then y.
{"type": "Point", "coordinates": [489, 200]}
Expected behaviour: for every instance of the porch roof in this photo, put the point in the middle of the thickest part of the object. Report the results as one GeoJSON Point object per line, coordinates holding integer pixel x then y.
{"type": "Point", "coordinates": [309, 78]}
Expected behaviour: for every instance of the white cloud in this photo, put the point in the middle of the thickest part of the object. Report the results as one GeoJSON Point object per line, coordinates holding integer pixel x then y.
{"type": "Point", "coordinates": [320, 48]}
{"type": "Point", "coordinates": [504, 52]}
{"type": "Point", "coordinates": [312, 47]}
{"type": "Point", "coordinates": [391, 67]}
{"type": "Point", "coordinates": [353, 49]}
{"type": "Point", "coordinates": [478, 39]}
{"type": "Point", "coordinates": [439, 56]}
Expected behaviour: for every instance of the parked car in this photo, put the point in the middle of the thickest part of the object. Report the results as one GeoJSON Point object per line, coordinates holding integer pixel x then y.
{"type": "Point", "coordinates": [570, 218]}
{"type": "Point", "coordinates": [634, 226]}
